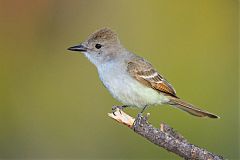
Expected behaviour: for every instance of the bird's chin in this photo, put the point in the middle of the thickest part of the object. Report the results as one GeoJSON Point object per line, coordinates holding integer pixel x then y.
{"type": "Point", "coordinates": [91, 58]}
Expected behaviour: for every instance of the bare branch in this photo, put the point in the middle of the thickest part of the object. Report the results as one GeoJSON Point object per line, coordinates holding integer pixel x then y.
{"type": "Point", "coordinates": [165, 137]}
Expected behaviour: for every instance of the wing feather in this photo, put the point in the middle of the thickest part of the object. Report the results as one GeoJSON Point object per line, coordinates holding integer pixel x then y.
{"type": "Point", "coordinates": [143, 71]}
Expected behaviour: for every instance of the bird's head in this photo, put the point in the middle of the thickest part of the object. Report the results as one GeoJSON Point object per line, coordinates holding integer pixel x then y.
{"type": "Point", "coordinates": [101, 46]}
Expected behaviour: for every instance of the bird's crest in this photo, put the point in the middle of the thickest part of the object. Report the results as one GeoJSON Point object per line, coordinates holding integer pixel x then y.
{"type": "Point", "coordinates": [103, 34]}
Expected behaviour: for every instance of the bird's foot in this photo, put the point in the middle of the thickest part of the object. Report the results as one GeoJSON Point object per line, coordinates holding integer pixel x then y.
{"type": "Point", "coordinates": [139, 115]}
{"type": "Point", "coordinates": [114, 108]}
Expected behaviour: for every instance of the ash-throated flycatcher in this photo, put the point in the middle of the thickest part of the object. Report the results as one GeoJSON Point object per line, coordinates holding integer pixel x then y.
{"type": "Point", "coordinates": [130, 78]}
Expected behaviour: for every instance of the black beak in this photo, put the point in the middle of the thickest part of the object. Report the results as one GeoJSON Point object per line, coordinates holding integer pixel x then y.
{"type": "Point", "coordinates": [79, 48]}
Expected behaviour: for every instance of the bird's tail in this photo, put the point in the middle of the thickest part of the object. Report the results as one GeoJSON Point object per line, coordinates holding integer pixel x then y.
{"type": "Point", "coordinates": [190, 108]}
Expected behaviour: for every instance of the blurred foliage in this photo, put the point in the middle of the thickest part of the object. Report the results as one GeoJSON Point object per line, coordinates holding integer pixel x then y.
{"type": "Point", "coordinates": [52, 104]}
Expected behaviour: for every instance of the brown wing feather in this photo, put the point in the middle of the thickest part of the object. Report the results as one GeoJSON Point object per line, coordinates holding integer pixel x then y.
{"type": "Point", "coordinates": [147, 75]}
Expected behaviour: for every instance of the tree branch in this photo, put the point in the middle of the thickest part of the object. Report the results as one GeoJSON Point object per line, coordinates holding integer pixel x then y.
{"type": "Point", "coordinates": [165, 137]}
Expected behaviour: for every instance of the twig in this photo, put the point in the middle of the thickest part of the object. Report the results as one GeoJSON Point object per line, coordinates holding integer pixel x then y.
{"type": "Point", "coordinates": [164, 137]}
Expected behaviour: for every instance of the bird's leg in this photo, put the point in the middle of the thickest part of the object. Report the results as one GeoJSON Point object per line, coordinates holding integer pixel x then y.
{"type": "Point", "coordinates": [140, 114]}
{"type": "Point", "coordinates": [114, 108]}
{"type": "Point", "coordinates": [144, 109]}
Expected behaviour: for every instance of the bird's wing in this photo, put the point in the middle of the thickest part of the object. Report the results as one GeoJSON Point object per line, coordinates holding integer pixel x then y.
{"type": "Point", "coordinates": [144, 72]}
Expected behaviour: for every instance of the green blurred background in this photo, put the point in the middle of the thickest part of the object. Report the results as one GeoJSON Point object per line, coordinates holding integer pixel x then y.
{"type": "Point", "coordinates": [52, 104]}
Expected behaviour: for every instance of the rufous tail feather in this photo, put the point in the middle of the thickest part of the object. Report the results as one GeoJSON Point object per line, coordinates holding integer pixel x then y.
{"type": "Point", "coordinates": [190, 108]}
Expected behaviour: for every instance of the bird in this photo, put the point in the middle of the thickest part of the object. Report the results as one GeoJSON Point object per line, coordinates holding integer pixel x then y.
{"type": "Point", "coordinates": [129, 78]}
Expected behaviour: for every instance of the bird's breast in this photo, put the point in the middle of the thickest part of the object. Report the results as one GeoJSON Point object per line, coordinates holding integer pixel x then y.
{"type": "Point", "coordinates": [126, 89]}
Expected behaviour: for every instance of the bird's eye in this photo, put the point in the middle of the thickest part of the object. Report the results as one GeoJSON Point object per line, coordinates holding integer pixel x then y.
{"type": "Point", "coordinates": [98, 46]}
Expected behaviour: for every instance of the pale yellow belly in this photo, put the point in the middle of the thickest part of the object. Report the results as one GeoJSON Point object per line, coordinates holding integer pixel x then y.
{"type": "Point", "coordinates": [130, 92]}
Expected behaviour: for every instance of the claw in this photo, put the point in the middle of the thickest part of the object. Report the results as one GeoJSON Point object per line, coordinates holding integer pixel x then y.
{"type": "Point", "coordinates": [114, 108]}
{"type": "Point", "coordinates": [114, 113]}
